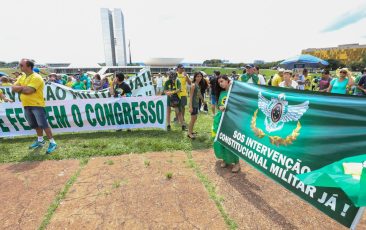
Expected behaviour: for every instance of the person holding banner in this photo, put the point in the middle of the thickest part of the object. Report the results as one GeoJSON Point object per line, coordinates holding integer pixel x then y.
{"type": "Point", "coordinates": [119, 87]}
{"type": "Point", "coordinates": [78, 84]}
{"type": "Point", "coordinates": [339, 85]}
{"type": "Point", "coordinates": [278, 78]}
{"type": "Point", "coordinates": [171, 88]}
{"type": "Point", "coordinates": [361, 85]}
{"type": "Point", "coordinates": [287, 81]}
{"type": "Point", "coordinates": [221, 92]}
{"type": "Point", "coordinates": [30, 87]}
{"type": "Point", "coordinates": [4, 98]}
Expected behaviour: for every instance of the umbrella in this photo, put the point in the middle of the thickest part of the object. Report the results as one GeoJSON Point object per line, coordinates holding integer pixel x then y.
{"type": "Point", "coordinates": [302, 61]}
{"type": "Point", "coordinates": [3, 74]}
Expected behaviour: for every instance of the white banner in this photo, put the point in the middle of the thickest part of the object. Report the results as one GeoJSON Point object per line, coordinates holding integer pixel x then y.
{"type": "Point", "coordinates": [89, 115]}
{"type": "Point", "coordinates": [141, 85]}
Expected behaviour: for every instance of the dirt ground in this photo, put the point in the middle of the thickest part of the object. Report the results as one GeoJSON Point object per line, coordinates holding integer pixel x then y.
{"type": "Point", "coordinates": [150, 191]}
{"type": "Point", "coordinates": [256, 202]}
{"type": "Point", "coordinates": [28, 189]}
{"type": "Point", "coordinates": [133, 192]}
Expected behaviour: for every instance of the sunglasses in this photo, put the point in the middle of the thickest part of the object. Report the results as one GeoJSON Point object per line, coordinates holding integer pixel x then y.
{"type": "Point", "coordinates": [343, 72]}
{"type": "Point", "coordinates": [20, 65]}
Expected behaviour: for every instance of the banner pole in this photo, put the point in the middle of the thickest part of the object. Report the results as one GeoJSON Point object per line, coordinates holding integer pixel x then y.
{"type": "Point", "coordinates": [357, 218]}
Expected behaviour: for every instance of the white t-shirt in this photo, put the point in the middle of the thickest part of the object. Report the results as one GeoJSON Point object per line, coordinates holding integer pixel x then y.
{"type": "Point", "coordinates": [293, 85]}
{"type": "Point", "coordinates": [262, 81]}
{"type": "Point", "coordinates": [159, 82]}
{"type": "Point", "coordinates": [302, 79]}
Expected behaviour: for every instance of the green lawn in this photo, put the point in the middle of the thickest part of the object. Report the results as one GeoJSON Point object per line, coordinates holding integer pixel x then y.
{"type": "Point", "coordinates": [107, 143]}
{"type": "Point", "coordinates": [9, 71]}
{"type": "Point", "coordinates": [209, 70]}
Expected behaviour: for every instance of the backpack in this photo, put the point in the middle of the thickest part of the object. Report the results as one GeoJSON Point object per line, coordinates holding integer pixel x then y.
{"type": "Point", "coordinates": [174, 98]}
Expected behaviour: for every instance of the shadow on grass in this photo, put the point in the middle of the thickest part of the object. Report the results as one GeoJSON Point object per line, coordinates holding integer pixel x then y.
{"type": "Point", "coordinates": [250, 192]}
{"type": "Point", "coordinates": [105, 143]}
{"type": "Point", "coordinates": [88, 134]}
{"type": "Point", "coordinates": [34, 156]}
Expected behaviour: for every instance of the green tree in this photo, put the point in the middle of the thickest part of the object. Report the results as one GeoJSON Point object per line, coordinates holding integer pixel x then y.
{"type": "Point", "coordinates": [335, 64]}
{"type": "Point", "coordinates": [213, 63]}
{"type": "Point", "coordinates": [356, 66]}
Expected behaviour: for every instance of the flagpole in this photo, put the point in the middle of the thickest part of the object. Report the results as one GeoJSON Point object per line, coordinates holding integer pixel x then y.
{"type": "Point", "coordinates": [357, 218]}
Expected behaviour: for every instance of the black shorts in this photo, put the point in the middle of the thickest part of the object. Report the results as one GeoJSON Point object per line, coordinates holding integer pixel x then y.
{"type": "Point", "coordinates": [36, 117]}
{"type": "Point", "coordinates": [183, 101]}
{"type": "Point", "coordinates": [194, 111]}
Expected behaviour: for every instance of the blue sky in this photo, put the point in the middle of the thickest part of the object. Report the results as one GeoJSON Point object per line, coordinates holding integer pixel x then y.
{"type": "Point", "coordinates": [235, 30]}
{"type": "Point", "coordinates": [346, 19]}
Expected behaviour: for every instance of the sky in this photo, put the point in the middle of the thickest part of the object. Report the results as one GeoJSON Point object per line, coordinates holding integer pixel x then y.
{"type": "Point", "coordinates": [196, 30]}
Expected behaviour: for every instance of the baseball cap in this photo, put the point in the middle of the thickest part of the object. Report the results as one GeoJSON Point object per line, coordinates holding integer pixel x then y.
{"type": "Point", "coordinates": [281, 70]}
{"type": "Point", "coordinates": [36, 70]}
{"type": "Point", "coordinates": [248, 66]}
{"type": "Point", "coordinates": [180, 66]}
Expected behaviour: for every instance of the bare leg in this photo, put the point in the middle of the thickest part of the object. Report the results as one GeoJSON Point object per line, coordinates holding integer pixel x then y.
{"type": "Point", "coordinates": [48, 132]}
{"type": "Point", "coordinates": [168, 115]}
{"type": "Point", "coordinates": [213, 109]}
{"type": "Point", "coordinates": [179, 116]}
{"type": "Point", "coordinates": [182, 114]}
{"type": "Point", "coordinates": [39, 132]}
{"type": "Point", "coordinates": [191, 124]}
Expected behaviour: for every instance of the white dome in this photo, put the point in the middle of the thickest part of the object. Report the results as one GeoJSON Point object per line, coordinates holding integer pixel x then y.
{"type": "Point", "coordinates": [163, 61]}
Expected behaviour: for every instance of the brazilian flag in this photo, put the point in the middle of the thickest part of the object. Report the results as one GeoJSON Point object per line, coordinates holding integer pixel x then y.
{"type": "Point", "coordinates": [348, 174]}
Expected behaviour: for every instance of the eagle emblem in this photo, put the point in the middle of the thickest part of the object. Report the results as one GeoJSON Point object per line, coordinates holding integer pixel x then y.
{"type": "Point", "coordinates": [278, 111]}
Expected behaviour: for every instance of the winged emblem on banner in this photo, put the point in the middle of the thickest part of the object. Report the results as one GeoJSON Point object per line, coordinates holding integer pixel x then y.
{"type": "Point", "coordinates": [278, 111]}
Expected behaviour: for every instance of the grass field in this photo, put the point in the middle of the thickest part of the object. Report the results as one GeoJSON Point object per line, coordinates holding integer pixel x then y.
{"type": "Point", "coordinates": [210, 70]}
{"type": "Point", "coordinates": [9, 71]}
{"type": "Point", "coordinates": [108, 143]}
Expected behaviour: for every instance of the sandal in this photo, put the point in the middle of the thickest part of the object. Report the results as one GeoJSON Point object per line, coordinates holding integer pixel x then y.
{"type": "Point", "coordinates": [236, 168]}
{"type": "Point", "coordinates": [191, 136]}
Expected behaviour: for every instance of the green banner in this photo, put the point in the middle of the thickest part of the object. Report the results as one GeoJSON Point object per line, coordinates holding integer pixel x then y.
{"type": "Point", "coordinates": [284, 133]}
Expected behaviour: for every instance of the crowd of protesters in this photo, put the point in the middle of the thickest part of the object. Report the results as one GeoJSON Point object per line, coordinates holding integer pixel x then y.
{"type": "Point", "coordinates": [181, 90]}
{"type": "Point", "coordinates": [344, 81]}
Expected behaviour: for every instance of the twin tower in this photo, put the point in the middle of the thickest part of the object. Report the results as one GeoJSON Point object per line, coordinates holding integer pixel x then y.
{"type": "Point", "coordinates": [113, 30]}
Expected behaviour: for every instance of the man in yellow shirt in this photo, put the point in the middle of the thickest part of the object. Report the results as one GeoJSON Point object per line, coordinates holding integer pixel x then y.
{"type": "Point", "coordinates": [278, 78]}
{"type": "Point", "coordinates": [30, 87]}
{"type": "Point", "coordinates": [184, 79]}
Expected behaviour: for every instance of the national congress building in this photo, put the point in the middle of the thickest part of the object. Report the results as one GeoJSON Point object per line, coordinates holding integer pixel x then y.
{"type": "Point", "coordinates": [113, 30]}
{"type": "Point", "coordinates": [345, 53]}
